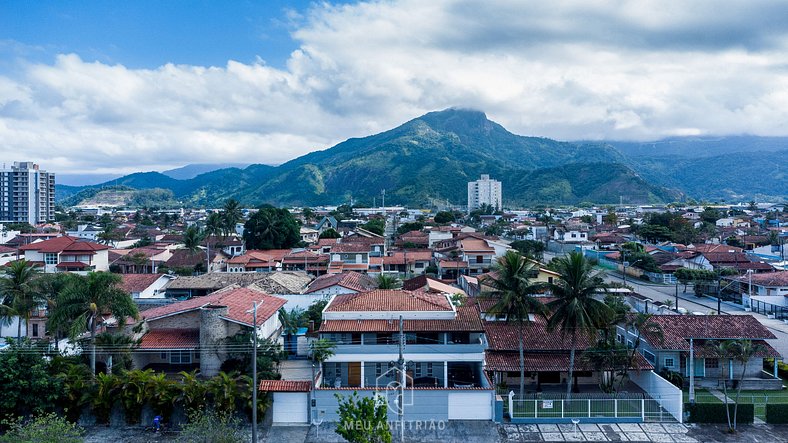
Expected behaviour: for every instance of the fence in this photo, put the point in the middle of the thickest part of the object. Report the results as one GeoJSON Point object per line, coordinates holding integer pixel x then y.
{"type": "Point", "coordinates": [588, 408]}
{"type": "Point", "coordinates": [768, 309]}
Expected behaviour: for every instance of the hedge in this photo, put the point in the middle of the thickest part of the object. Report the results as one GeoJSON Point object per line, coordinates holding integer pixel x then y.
{"type": "Point", "coordinates": [715, 413]}
{"type": "Point", "coordinates": [777, 413]}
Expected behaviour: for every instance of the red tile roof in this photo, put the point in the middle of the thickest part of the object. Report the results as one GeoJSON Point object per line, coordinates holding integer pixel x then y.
{"type": "Point", "coordinates": [389, 300]}
{"type": "Point", "coordinates": [476, 245]}
{"type": "Point", "coordinates": [467, 320]}
{"type": "Point", "coordinates": [350, 280]}
{"type": "Point", "coordinates": [71, 264]}
{"type": "Point", "coordinates": [767, 279]}
{"type": "Point", "coordinates": [167, 338]}
{"type": "Point", "coordinates": [453, 264]}
{"type": "Point", "coordinates": [65, 243]}
{"type": "Point", "coordinates": [354, 247]}
{"type": "Point", "coordinates": [503, 336]}
{"type": "Point", "coordinates": [238, 302]}
{"type": "Point", "coordinates": [138, 282]}
{"type": "Point", "coordinates": [678, 329]}
{"type": "Point", "coordinates": [285, 386]}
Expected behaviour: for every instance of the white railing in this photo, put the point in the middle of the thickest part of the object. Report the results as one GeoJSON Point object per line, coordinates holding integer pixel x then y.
{"type": "Point", "coordinates": [642, 409]}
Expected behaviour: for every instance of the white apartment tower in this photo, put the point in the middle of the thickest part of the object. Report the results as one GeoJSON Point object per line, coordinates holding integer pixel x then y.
{"type": "Point", "coordinates": [27, 194]}
{"type": "Point", "coordinates": [484, 191]}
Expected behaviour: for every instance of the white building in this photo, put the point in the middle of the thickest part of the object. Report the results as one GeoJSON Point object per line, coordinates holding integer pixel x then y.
{"type": "Point", "coordinates": [27, 194]}
{"type": "Point", "coordinates": [484, 191]}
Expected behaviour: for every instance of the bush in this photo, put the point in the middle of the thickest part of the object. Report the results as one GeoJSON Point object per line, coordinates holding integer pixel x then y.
{"type": "Point", "coordinates": [777, 413]}
{"type": "Point", "coordinates": [211, 427]}
{"type": "Point", "coordinates": [715, 413]}
{"type": "Point", "coordinates": [48, 428]}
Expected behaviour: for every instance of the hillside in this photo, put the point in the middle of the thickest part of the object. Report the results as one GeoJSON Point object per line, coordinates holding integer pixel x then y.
{"type": "Point", "coordinates": [430, 157]}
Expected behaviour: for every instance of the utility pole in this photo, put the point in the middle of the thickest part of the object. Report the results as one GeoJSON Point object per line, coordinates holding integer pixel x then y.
{"type": "Point", "coordinates": [677, 296]}
{"type": "Point", "coordinates": [624, 263]}
{"type": "Point", "coordinates": [254, 373]}
{"type": "Point", "coordinates": [401, 369]}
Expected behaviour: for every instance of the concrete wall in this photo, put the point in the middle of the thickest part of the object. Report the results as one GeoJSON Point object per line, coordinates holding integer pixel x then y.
{"type": "Point", "coordinates": [665, 393]}
{"type": "Point", "coordinates": [212, 331]}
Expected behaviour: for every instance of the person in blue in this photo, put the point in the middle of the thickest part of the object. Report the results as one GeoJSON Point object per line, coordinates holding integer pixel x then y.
{"type": "Point", "coordinates": [157, 423]}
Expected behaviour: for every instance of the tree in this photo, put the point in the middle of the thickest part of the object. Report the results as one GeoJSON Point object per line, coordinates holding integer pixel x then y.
{"type": "Point", "coordinates": [84, 298]}
{"type": "Point", "coordinates": [18, 293]}
{"type": "Point", "coordinates": [530, 248]}
{"type": "Point", "coordinates": [314, 312]}
{"type": "Point", "coordinates": [291, 320]}
{"type": "Point", "coordinates": [321, 350]}
{"type": "Point", "coordinates": [362, 419]}
{"type": "Point", "coordinates": [742, 351]}
{"type": "Point", "coordinates": [642, 324]}
{"type": "Point", "coordinates": [192, 238]}
{"type": "Point", "coordinates": [28, 387]}
{"type": "Point", "coordinates": [388, 282]}
{"type": "Point", "coordinates": [231, 215]}
{"type": "Point", "coordinates": [722, 350]}
{"type": "Point", "coordinates": [610, 218]}
{"type": "Point", "coordinates": [308, 214]}
{"type": "Point", "coordinates": [330, 233]}
{"type": "Point", "coordinates": [575, 310]}
{"type": "Point", "coordinates": [209, 426]}
{"type": "Point", "coordinates": [376, 225]}
{"type": "Point", "coordinates": [272, 228]}
{"type": "Point", "coordinates": [513, 293]}
{"type": "Point", "coordinates": [444, 217]}
{"type": "Point", "coordinates": [410, 226]}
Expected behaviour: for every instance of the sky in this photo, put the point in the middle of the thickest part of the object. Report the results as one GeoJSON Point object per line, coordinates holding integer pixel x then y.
{"type": "Point", "coordinates": [103, 88]}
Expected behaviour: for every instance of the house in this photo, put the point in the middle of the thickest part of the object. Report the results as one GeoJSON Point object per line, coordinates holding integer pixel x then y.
{"type": "Point", "coordinates": [685, 346]}
{"type": "Point", "coordinates": [343, 283]}
{"type": "Point", "coordinates": [195, 261]}
{"type": "Point", "coordinates": [190, 334]}
{"type": "Point", "coordinates": [309, 235]}
{"type": "Point", "coordinates": [769, 288]}
{"type": "Point", "coordinates": [413, 239]}
{"type": "Point", "coordinates": [409, 262]}
{"type": "Point", "coordinates": [86, 231]}
{"type": "Point", "coordinates": [307, 261]}
{"type": "Point", "coordinates": [443, 354]}
{"type": "Point", "coordinates": [275, 283]}
{"type": "Point", "coordinates": [425, 284]}
{"type": "Point", "coordinates": [349, 257]}
{"type": "Point", "coordinates": [146, 286]}
{"type": "Point", "coordinates": [570, 235]}
{"type": "Point", "coordinates": [257, 261]}
{"type": "Point", "coordinates": [546, 354]}
{"type": "Point", "coordinates": [67, 254]}
{"type": "Point", "coordinates": [476, 251]}
{"type": "Point", "coordinates": [327, 222]}
{"type": "Point", "coordinates": [138, 260]}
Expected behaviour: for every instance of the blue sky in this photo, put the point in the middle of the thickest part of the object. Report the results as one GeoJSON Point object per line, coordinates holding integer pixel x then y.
{"type": "Point", "coordinates": [116, 87]}
{"type": "Point", "coordinates": [147, 34]}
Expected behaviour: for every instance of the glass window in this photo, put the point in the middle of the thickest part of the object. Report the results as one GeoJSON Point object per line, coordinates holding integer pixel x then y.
{"type": "Point", "coordinates": [670, 362]}
{"type": "Point", "coordinates": [711, 363]}
{"type": "Point", "coordinates": [50, 258]}
{"type": "Point", "coordinates": [650, 357]}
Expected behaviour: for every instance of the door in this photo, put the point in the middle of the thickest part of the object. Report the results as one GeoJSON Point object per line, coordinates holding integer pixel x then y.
{"type": "Point", "coordinates": [290, 407]}
{"type": "Point", "coordinates": [354, 373]}
{"type": "Point", "coordinates": [470, 406]}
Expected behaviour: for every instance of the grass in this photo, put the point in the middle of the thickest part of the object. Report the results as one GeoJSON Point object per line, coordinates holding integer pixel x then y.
{"type": "Point", "coordinates": [759, 398]}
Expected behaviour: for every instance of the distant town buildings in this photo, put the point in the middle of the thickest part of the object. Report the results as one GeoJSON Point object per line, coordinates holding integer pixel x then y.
{"type": "Point", "coordinates": [27, 194]}
{"type": "Point", "coordinates": [484, 191]}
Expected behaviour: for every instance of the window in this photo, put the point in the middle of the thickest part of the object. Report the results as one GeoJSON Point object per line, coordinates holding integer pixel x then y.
{"type": "Point", "coordinates": [163, 356]}
{"type": "Point", "coordinates": [670, 362]}
{"type": "Point", "coordinates": [417, 370]}
{"type": "Point", "coordinates": [35, 329]}
{"type": "Point", "coordinates": [50, 258]}
{"type": "Point", "coordinates": [479, 259]}
{"type": "Point", "coordinates": [620, 338]}
{"type": "Point", "coordinates": [429, 369]}
{"type": "Point", "coordinates": [180, 357]}
{"type": "Point", "coordinates": [650, 357]}
{"type": "Point", "coordinates": [711, 363]}
{"type": "Point", "coordinates": [630, 344]}
{"type": "Point", "coordinates": [378, 370]}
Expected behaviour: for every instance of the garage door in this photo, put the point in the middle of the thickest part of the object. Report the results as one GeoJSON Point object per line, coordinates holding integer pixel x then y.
{"type": "Point", "coordinates": [290, 407]}
{"type": "Point", "coordinates": [470, 406]}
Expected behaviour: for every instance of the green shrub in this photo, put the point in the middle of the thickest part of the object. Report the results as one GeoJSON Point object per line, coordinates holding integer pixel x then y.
{"type": "Point", "coordinates": [715, 413]}
{"type": "Point", "coordinates": [777, 413]}
{"type": "Point", "coordinates": [48, 428]}
{"type": "Point", "coordinates": [208, 426]}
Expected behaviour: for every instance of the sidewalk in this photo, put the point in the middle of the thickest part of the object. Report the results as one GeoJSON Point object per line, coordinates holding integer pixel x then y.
{"type": "Point", "coordinates": [637, 432]}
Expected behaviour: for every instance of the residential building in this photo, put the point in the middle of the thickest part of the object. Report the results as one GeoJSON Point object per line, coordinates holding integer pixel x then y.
{"type": "Point", "coordinates": [485, 191]}
{"type": "Point", "coordinates": [343, 283]}
{"type": "Point", "coordinates": [443, 350]}
{"type": "Point", "coordinates": [685, 344]}
{"type": "Point", "coordinates": [146, 286]}
{"type": "Point", "coordinates": [67, 254]}
{"type": "Point", "coordinates": [27, 194]}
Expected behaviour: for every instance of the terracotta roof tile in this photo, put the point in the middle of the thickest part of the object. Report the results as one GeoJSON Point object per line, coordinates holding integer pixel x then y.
{"type": "Point", "coordinates": [238, 301]}
{"type": "Point", "coordinates": [510, 361]}
{"type": "Point", "coordinates": [138, 282]}
{"type": "Point", "coordinates": [467, 320]}
{"type": "Point", "coordinates": [389, 300]}
{"type": "Point", "coordinates": [64, 243]}
{"type": "Point", "coordinates": [350, 280]}
{"type": "Point", "coordinates": [285, 386]}
{"type": "Point", "coordinates": [167, 338]}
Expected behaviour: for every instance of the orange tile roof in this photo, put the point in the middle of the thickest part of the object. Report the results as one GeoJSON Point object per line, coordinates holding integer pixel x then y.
{"type": "Point", "coordinates": [167, 338]}
{"type": "Point", "coordinates": [238, 302]}
{"type": "Point", "coordinates": [350, 280]}
{"type": "Point", "coordinates": [389, 300]}
{"type": "Point", "coordinates": [64, 243]}
{"type": "Point", "coordinates": [510, 361]}
{"type": "Point", "coordinates": [138, 282]}
{"type": "Point", "coordinates": [285, 386]}
{"type": "Point", "coordinates": [467, 320]}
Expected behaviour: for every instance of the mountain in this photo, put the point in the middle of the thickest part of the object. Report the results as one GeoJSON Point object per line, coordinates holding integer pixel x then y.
{"type": "Point", "coordinates": [430, 157]}
{"type": "Point", "coordinates": [190, 171]}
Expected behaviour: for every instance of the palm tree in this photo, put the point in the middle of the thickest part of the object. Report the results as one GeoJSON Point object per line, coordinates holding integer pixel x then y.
{"type": "Point", "coordinates": [575, 310]}
{"type": "Point", "coordinates": [742, 351]}
{"type": "Point", "coordinates": [18, 294]}
{"type": "Point", "coordinates": [192, 238]}
{"type": "Point", "coordinates": [214, 226]}
{"type": "Point", "coordinates": [722, 350]}
{"type": "Point", "coordinates": [292, 320]}
{"type": "Point", "coordinates": [513, 292]}
{"type": "Point", "coordinates": [641, 323]}
{"type": "Point", "coordinates": [231, 215]}
{"type": "Point", "coordinates": [83, 299]}
{"type": "Point", "coordinates": [388, 282]}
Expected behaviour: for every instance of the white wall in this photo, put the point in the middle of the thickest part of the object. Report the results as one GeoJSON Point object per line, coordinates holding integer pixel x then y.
{"type": "Point", "coordinates": [665, 393]}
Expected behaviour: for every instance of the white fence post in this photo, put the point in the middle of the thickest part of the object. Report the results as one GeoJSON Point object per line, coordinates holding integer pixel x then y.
{"type": "Point", "coordinates": [643, 409]}
{"type": "Point", "coordinates": [615, 408]}
{"type": "Point", "coordinates": [589, 408]}
{"type": "Point", "coordinates": [511, 404]}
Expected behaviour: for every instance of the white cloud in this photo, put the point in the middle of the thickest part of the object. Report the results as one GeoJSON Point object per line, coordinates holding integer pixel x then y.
{"type": "Point", "coordinates": [568, 70]}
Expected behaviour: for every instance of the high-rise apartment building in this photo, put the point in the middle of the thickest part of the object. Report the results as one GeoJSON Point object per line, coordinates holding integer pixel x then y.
{"type": "Point", "coordinates": [27, 194]}
{"type": "Point", "coordinates": [484, 191]}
